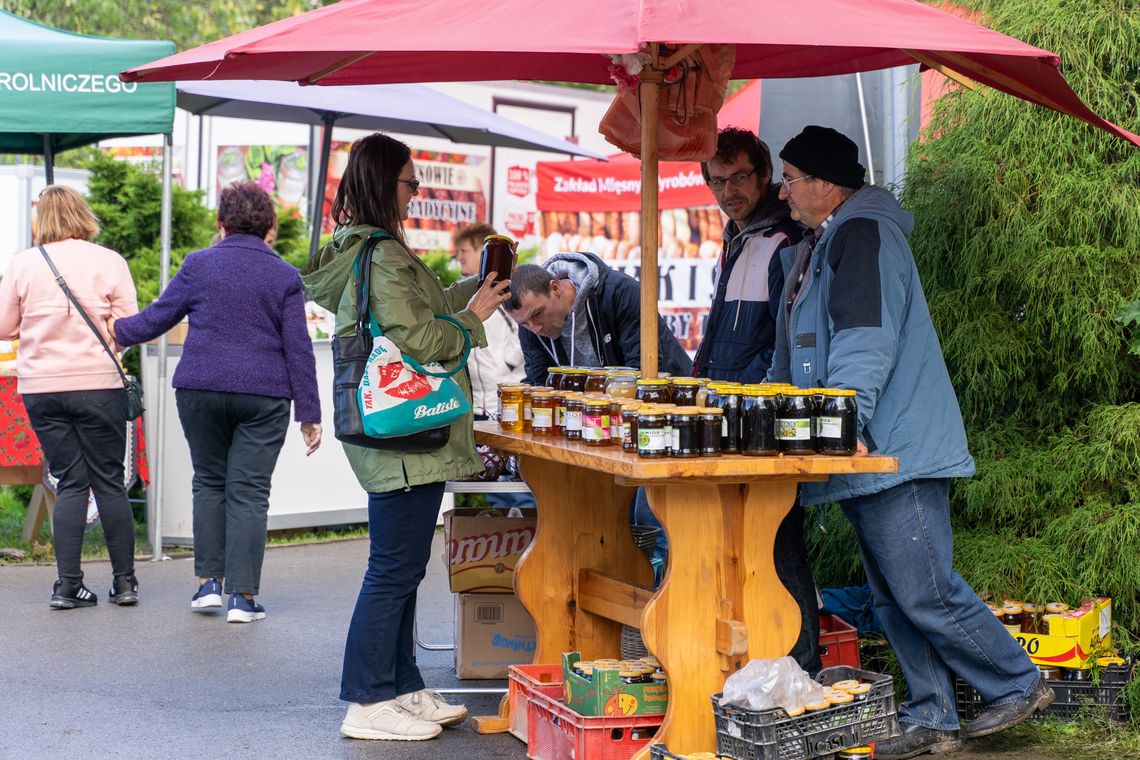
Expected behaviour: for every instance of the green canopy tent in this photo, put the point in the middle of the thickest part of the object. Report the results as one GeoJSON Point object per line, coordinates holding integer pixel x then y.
{"type": "Point", "coordinates": [60, 90]}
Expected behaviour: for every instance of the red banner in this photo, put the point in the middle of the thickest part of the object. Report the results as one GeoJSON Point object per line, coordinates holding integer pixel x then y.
{"type": "Point", "coordinates": [615, 185]}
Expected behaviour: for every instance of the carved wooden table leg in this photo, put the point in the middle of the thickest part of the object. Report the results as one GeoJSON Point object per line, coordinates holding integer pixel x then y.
{"type": "Point", "coordinates": [583, 523]}
{"type": "Point", "coordinates": [721, 602]}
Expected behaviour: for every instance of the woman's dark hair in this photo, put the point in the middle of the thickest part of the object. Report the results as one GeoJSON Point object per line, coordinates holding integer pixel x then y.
{"type": "Point", "coordinates": [367, 191]}
{"type": "Point", "coordinates": [244, 208]}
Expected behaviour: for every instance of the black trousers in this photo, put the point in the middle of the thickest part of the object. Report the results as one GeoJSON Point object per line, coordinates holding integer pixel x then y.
{"type": "Point", "coordinates": [84, 438]}
{"type": "Point", "coordinates": [234, 441]}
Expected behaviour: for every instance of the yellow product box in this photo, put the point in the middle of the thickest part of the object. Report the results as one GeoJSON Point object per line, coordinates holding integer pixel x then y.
{"type": "Point", "coordinates": [1073, 638]}
{"type": "Point", "coordinates": [483, 547]}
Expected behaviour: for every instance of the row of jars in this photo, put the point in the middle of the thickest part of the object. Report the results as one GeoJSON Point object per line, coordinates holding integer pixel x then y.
{"type": "Point", "coordinates": [1026, 617]}
{"type": "Point", "coordinates": [686, 417]}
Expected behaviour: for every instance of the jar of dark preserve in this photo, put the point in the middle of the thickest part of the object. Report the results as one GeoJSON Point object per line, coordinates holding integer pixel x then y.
{"type": "Point", "coordinates": [651, 433]}
{"type": "Point", "coordinates": [793, 422]}
{"type": "Point", "coordinates": [728, 399]}
{"type": "Point", "coordinates": [596, 381]}
{"type": "Point", "coordinates": [653, 391]}
{"type": "Point", "coordinates": [685, 391]}
{"type": "Point", "coordinates": [686, 432]}
{"type": "Point", "coordinates": [836, 420]}
{"type": "Point", "coordinates": [709, 433]}
{"type": "Point", "coordinates": [758, 421]}
{"type": "Point", "coordinates": [574, 379]}
{"type": "Point", "coordinates": [629, 415]}
{"type": "Point", "coordinates": [554, 377]}
{"type": "Point", "coordinates": [499, 256]}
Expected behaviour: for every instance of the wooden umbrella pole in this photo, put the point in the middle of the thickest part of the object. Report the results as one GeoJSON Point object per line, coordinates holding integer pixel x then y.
{"type": "Point", "coordinates": [648, 93]}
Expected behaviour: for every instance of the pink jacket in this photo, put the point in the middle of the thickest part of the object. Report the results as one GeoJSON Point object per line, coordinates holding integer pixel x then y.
{"type": "Point", "coordinates": [58, 351]}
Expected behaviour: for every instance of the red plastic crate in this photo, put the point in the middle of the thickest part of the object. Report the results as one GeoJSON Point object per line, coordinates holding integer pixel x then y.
{"type": "Point", "coordinates": [524, 680]}
{"type": "Point", "coordinates": [838, 642]}
{"type": "Point", "coordinates": [558, 733]}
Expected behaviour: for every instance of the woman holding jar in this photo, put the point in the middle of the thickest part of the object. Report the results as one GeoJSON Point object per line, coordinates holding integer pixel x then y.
{"type": "Point", "coordinates": [380, 677]}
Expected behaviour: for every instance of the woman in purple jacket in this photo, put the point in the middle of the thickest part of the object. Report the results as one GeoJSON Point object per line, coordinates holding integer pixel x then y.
{"type": "Point", "coordinates": [247, 354]}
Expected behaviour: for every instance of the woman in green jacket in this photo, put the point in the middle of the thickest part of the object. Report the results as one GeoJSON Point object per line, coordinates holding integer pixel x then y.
{"type": "Point", "coordinates": [380, 677]}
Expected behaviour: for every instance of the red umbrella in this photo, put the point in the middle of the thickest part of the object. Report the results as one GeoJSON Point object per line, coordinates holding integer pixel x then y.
{"type": "Point", "coordinates": [390, 41]}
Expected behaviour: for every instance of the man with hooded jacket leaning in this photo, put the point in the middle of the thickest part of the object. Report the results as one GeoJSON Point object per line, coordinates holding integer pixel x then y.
{"type": "Point", "coordinates": [579, 312]}
{"type": "Point", "coordinates": [853, 315]}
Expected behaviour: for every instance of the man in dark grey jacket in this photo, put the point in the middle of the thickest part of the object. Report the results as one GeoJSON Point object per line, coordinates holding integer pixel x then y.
{"type": "Point", "coordinates": [580, 312]}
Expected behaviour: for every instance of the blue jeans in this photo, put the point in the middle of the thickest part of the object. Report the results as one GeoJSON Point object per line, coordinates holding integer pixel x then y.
{"type": "Point", "coordinates": [934, 621]}
{"type": "Point", "coordinates": [379, 655]}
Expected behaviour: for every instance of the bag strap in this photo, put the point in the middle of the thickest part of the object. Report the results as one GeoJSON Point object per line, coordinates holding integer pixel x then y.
{"type": "Point", "coordinates": [71, 297]}
{"type": "Point", "coordinates": [365, 320]}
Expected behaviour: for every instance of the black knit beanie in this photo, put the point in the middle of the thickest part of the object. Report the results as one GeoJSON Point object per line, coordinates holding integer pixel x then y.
{"type": "Point", "coordinates": [826, 154]}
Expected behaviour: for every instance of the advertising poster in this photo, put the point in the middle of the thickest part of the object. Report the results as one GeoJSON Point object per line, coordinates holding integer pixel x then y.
{"type": "Point", "coordinates": [452, 195]}
{"type": "Point", "coordinates": [281, 170]}
{"type": "Point", "coordinates": [594, 206]}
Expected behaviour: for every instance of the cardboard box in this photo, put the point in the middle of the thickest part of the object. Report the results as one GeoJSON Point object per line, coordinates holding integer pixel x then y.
{"type": "Point", "coordinates": [607, 694]}
{"type": "Point", "coordinates": [482, 547]}
{"type": "Point", "coordinates": [1073, 638]}
{"type": "Point", "coordinates": [492, 632]}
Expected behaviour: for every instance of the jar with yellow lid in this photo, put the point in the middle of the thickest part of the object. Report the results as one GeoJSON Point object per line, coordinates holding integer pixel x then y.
{"type": "Point", "coordinates": [794, 422]}
{"type": "Point", "coordinates": [596, 381]}
{"type": "Point", "coordinates": [575, 410]}
{"type": "Point", "coordinates": [860, 691]}
{"type": "Point", "coordinates": [622, 384]}
{"type": "Point", "coordinates": [685, 391]}
{"type": "Point", "coordinates": [554, 377]}
{"type": "Point", "coordinates": [511, 407]}
{"type": "Point", "coordinates": [653, 391]}
{"type": "Point", "coordinates": [686, 432]}
{"type": "Point", "coordinates": [559, 398]}
{"type": "Point", "coordinates": [703, 391]}
{"type": "Point", "coordinates": [651, 441]}
{"type": "Point", "coordinates": [836, 421]}
{"type": "Point", "coordinates": [758, 409]}
{"type": "Point", "coordinates": [573, 379]}
{"type": "Point", "coordinates": [1011, 617]}
{"type": "Point", "coordinates": [542, 411]}
{"type": "Point", "coordinates": [728, 398]}
{"type": "Point", "coordinates": [596, 422]}
{"type": "Point", "coordinates": [528, 396]}
{"type": "Point", "coordinates": [628, 436]}
{"type": "Point", "coordinates": [710, 419]}
{"type": "Point", "coordinates": [862, 752]}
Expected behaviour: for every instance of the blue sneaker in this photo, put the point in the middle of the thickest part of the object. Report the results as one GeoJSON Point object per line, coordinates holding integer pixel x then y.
{"type": "Point", "coordinates": [242, 610]}
{"type": "Point", "coordinates": [209, 595]}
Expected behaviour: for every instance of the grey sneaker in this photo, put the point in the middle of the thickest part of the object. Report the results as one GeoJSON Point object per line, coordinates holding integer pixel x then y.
{"type": "Point", "coordinates": [389, 721]}
{"type": "Point", "coordinates": [426, 704]}
{"type": "Point", "coordinates": [994, 719]}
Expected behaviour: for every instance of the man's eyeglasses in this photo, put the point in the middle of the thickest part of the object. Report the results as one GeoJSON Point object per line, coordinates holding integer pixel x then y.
{"type": "Point", "coordinates": [413, 183]}
{"type": "Point", "coordinates": [736, 180]}
{"type": "Point", "coordinates": [787, 183]}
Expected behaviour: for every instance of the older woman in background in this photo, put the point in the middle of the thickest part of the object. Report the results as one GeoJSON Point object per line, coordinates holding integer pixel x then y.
{"type": "Point", "coordinates": [247, 355]}
{"type": "Point", "coordinates": [71, 387]}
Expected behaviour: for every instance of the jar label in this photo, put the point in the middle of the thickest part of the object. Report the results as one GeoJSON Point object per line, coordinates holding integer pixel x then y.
{"type": "Point", "coordinates": [676, 444]}
{"type": "Point", "coordinates": [830, 427]}
{"type": "Point", "coordinates": [793, 430]}
{"type": "Point", "coordinates": [510, 413]}
{"type": "Point", "coordinates": [724, 426]}
{"type": "Point", "coordinates": [651, 440]}
{"type": "Point", "coordinates": [543, 419]}
{"type": "Point", "coordinates": [527, 414]}
{"type": "Point", "coordinates": [592, 431]}
{"type": "Point", "coordinates": [573, 420]}
{"type": "Point", "coordinates": [626, 432]}
{"type": "Point", "coordinates": [560, 415]}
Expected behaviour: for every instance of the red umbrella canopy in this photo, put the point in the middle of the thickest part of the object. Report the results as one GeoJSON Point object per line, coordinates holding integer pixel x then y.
{"type": "Point", "coordinates": [391, 41]}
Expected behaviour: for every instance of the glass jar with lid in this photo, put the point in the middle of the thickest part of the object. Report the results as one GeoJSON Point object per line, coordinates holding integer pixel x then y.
{"type": "Point", "coordinates": [794, 422]}
{"type": "Point", "coordinates": [686, 432]}
{"type": "Point", "coordinates": [573, 379]}
{"type": "Point", "coordinates": [596, 422]}
{"type": "Point", "coordinates": [653, 391]}
{"type": "Point", "coordinates": [709, 434]}
{"type": "Point", "coordinates": [575, 405]}
{"type": "Point", "coordinates": [758, 421]}
{"type": "Point", "coordinates": [542, 411]}
{"type": "Point", "coordinates": [651, 442]}
{"type": "Point", "coordinates": [836, 420]}
{"type": "Point", "coordinates": [628, 439]}
{"type": "Point", "coordinates": [596, 381]}
{"type": "Point", "coordinates": [511, 407]}
{"type": "Point", "coordinates": [554, 377]}
{"type": "Point", "coordinates": [728, 398]}
{"type": "Point", "coordinates": [685, 391]}
{"type": "Point", "coordinates": [622, 383]}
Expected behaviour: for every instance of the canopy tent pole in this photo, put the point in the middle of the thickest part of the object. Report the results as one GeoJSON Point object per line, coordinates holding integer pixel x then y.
{"type": "Point", "coordinates": [327, 119]}
{"type": "Point", "coordinates": [866, 127]}
{"type": "Point", "coordinates": [49, 160]}
{"type": "Point", "coordinates": [158, 481]}
{"type": "Point", "coordinates": [648, 95]}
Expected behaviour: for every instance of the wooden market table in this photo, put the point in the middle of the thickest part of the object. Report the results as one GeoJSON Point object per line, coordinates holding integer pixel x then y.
{"type": "Point", "coordinates": [720, 604]}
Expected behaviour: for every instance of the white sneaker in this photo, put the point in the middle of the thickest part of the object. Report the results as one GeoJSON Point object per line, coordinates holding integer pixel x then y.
{"type": "Point", "coordinates": [387, 720]}
{"type": "Point", "coordinates": [426, 704]}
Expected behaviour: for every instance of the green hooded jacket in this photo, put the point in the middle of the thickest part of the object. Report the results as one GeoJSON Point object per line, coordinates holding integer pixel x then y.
{"type": "Point", "coordinates": [405, 295]}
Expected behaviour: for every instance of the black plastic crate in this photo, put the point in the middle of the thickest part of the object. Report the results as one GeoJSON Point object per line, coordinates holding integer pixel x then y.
{"type": "Point", "coordinates": [1073, 697]}
{"type": "Point", "coordinates": [771, 735]}
{"type": "Point", "coordinates": [661, 752]}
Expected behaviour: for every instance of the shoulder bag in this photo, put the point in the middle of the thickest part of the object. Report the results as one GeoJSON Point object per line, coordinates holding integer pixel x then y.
{"type": "Point", "coordinates": [131, 383]}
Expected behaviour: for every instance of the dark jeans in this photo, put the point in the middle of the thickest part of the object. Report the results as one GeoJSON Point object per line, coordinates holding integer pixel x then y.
{"type": "Point", "coordinates": [792, 567]}
{"type": "Point", "coordinates": [379, 655]}
{"type": "Point", "coordinates": [84, 438]}
{"type": "Point", "coordinates": [933, 619]}
{"type": "Point", "coordinates": [234, 441]}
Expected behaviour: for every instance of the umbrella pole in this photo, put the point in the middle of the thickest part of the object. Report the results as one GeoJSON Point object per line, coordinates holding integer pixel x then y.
{"type": "Point", "coordinates": [49, 160]}
{"type": "Point", "coordinates": [648, 93]}
{"type": "Point", "coordinates": [319, 189]}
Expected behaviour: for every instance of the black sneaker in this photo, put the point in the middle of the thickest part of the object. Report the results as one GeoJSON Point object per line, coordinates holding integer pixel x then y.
{"type": "Point", "coordinates": [914, 740]}
{"type": "Point", "coordinates": [71, 596]}
{"type": "Point", "coordinates": [124, 590]}
{"type": "Point", "coordinates": [994, 719]}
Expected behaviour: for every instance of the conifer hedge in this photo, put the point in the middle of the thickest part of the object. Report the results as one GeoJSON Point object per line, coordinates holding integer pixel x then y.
{"type": "Point", "coordinates": [1027, 238]}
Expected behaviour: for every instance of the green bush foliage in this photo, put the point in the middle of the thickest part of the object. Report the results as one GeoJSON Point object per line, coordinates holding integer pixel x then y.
{"type": "Point", "coordinates": [1028, 240]}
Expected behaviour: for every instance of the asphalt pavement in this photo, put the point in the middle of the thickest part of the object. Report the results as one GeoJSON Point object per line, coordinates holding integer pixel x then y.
{"type": "Point", "coordinates": [158, 680]}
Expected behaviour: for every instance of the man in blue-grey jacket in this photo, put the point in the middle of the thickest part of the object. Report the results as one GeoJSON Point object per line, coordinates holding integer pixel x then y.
{"type": "Point", "coordinates": [854, 316]}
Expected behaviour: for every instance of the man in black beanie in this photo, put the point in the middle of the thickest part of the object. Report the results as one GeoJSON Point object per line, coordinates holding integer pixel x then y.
{"type": "Point", "coordinates": [853, 315]}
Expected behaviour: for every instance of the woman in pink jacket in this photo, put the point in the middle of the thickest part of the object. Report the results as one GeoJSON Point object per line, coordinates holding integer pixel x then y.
{"type": "Point", "coordinates": [71, 388]}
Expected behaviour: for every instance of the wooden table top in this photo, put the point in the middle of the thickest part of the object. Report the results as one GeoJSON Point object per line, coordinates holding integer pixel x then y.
{"type": "Point", "coordinates": [728, 468]}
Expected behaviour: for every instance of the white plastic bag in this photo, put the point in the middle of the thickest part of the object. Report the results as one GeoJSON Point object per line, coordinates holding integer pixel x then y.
{"type": "Point", "coordinates": [765, 684]}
